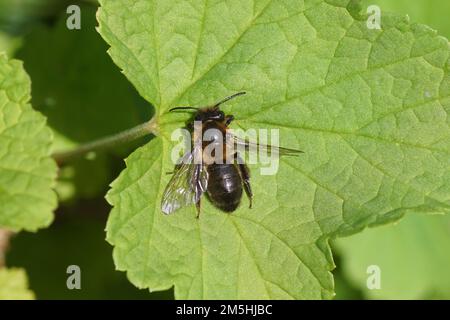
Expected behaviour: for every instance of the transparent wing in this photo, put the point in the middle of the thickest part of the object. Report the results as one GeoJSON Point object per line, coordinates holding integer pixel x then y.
{"type": "Point", "coordinates": [254, 146]}
{"type": "Point", "coordinates": [186, 186]}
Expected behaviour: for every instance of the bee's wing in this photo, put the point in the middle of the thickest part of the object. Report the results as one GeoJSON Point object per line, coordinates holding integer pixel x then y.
{"type": "Point", "coordinates": [186, 186]}
{"type": "Point", "coordinates": [253, 146]}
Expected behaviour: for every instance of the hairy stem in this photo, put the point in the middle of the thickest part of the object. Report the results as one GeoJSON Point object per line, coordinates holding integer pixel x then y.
{"type": "Point", "coordinates": [137, 132]}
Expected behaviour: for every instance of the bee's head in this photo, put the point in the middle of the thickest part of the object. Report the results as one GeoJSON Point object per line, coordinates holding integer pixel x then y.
{"type": "Point", "coordinates": [209, 114]}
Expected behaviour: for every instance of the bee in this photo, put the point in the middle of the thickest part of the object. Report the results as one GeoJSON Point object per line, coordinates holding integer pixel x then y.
{"type": "Point", "coordinates": [222, 176]}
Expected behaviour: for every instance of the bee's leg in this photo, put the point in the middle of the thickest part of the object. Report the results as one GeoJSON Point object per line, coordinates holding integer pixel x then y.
{"type": "Point", "coordinates": [198, 206]}
{"type": "Point", "coordinates": [245, 175]}
{"type": "Point", "coordinates": [177, 166]}
{"type": "Point", "coordinates": [228, 119]}
{"type": "Point", "coordinates": [173, 171]}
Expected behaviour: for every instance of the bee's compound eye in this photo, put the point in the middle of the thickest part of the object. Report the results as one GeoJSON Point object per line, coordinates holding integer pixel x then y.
{"type": "Point", "coordinates": [221, 115]}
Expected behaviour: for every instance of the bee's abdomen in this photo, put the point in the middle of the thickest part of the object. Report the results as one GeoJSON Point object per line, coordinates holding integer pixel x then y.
{"type": "Point", "coordinates": [224, 186]}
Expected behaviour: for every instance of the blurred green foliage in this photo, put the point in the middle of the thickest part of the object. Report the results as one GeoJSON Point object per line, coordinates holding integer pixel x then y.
{"type": "Point", "coordinates": [14, 285]}
{"type": "Point", "coordinates": [84, 96]}
{"type": "Point", "coordinates": [413, 257]}
{"type": "Point", "coordinates": [433, 13]}
{"type": "Point", "coordinates": [76, 238]}
{"type": "Point", "coordinates": [17, 17]}
{"type": "Point", "coordinates": [76, 85]}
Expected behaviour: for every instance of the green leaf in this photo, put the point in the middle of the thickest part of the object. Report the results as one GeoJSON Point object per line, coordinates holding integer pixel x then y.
{"type": "Point", "coordinates": [14, 285]}
{"type": "Point", "coordinates": [412, 256]}
{"type": "Point", "coordinates": [368, 107]}
{"type": "Point", "coordinates": [27, 173]}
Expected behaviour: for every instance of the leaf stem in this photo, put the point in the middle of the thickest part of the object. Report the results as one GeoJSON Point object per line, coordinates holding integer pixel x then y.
{"type": "Point", "coordinates": [134, 133]}
{"type": "Point", "coordinates": [5, 235]}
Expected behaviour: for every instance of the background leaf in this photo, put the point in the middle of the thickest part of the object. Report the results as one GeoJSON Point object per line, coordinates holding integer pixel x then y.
{"type": "Point", "coordinates": [14, 285]}
{"type": "Point", "coordinates": [430, 12]}
{"type": "Point", "coordinates": [369, 108]}
{"type": "Point", "coordinates": [77, 87]}
{"type": "Point", "coordinates": [412, 256]}
{"type": "Point", "coordinates": [9, 44]}
{"type": "Point", "coordinates": [27, 172]}
{"type": "Point", "coordinates": [75, 238]}
{"type": "Point", "coordinates": [19, 16]}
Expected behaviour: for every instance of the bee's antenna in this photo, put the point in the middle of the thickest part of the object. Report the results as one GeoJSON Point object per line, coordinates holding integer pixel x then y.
{"type": "Point", "coordinates": [229, 98]}
{"type": "Point", "coordinates": [214, 106]}
{"type": "Point", "coordinates": [182, 108]}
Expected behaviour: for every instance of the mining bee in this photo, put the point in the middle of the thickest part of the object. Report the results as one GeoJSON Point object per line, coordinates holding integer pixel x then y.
{"type": "Point", "coordinates": [222, 176]}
